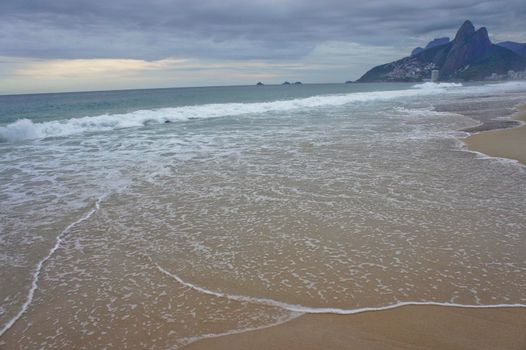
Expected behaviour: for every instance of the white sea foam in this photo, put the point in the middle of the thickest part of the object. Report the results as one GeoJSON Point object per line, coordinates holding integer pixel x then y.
{"type": "Point", "coordinates": [483, 156]}
{"type": "Point", "coordinates": [24, 129]}
{"type": "Point", "coordinates": [430, 85]}
{"type": "Point", "coordinates": [281, 320]}
{"type": "Point", "coordinates": [40, 265]}
{"type": "Point", "coordinates": [295, 314]}
{"type": "Point", "coordinates": [422, 112]}
{"type": "Point", "coordinates": [322, 310]}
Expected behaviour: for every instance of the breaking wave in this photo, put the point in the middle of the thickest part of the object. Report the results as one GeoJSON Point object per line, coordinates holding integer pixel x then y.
{"type": "Point", "coordinates": [25, 129]}
{"type": "Point", "coordinates": [429, 85]}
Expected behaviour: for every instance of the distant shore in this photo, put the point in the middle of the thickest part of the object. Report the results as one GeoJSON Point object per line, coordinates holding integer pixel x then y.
{"type": "Point", "coordinates": [504, 143]}
{"type": "Point", "coordinates": [406, 327]}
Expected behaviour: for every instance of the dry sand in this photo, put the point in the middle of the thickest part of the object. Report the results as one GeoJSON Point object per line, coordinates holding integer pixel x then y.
{"type": "Point", "coordinates": [406, 327]}
{"type": "Point", "coordinates": [505, 143]}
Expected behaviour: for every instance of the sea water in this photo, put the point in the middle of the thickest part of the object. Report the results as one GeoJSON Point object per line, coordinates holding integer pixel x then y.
{"type": "Point", "coordinates": [152, 218]}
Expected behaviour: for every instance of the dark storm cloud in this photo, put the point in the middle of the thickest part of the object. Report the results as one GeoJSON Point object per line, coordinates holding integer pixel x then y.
{"type": "Point", "coordinates": [234, 29]}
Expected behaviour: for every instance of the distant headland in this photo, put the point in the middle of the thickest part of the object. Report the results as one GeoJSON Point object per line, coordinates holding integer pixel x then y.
{"type": "Point", "coordinates": [469, 56]}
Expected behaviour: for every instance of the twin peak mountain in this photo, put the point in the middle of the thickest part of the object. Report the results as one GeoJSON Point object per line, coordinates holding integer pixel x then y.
{"type": "Point", "coordinates": [470, 56]}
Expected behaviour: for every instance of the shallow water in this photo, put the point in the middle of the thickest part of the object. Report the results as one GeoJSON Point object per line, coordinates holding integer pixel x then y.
{"type": "Point", "coordinates": [250, 206]}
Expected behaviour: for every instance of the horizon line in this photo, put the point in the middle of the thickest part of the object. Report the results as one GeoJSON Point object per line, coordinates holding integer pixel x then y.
{"type": "Point", "coordinates": [166, 88]}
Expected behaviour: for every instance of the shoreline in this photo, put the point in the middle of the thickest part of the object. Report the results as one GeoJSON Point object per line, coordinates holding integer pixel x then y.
{"type": "Point", "coordinates": [404, 327]}
{"type": "Point", "coordinates": [507, 142]}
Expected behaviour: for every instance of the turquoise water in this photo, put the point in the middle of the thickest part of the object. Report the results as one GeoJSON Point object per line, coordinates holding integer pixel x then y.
{"type": "Point", "coordinates": [212, 210]}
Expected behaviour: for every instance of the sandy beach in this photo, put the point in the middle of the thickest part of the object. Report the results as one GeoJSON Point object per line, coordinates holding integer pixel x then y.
{"type": "Point", "coordinates": [407, 327]}
{"type": "Point", "coordinates": [263, 175]}
{"type": "Point", "coordinates": [259, 230]}
{"type": "Point", "coordinates": [504, 143]}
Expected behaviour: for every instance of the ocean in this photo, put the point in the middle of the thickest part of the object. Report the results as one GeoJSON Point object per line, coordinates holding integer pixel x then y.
{"type": "Point", "coordinates": [153, 218]}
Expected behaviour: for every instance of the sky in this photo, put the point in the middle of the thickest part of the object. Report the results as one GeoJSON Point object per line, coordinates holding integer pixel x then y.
{"type": "Point", "coordinates": [80, 45]}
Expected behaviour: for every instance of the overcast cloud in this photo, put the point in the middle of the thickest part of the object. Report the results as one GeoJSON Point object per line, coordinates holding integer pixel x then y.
{"type": "Point", "coordinates": [322, 40]}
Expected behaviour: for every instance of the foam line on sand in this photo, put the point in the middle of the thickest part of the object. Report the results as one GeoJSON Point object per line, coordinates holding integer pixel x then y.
{"type": "Point", "coordinates": [41, 263]}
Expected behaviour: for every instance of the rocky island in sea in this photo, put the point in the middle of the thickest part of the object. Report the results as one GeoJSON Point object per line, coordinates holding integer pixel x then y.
{"type": "Point", "coordinates": [469, 56]}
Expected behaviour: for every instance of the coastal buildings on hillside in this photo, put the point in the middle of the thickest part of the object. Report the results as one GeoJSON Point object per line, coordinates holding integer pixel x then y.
{"type": "Point", "coordinates": [470, 56]}
{"type": "Point", "coordinates": [435, 75]}
{"type": "Point", "coordinates": [511, 75]}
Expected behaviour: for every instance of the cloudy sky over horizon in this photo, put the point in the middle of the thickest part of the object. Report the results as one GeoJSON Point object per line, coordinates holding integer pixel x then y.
{"type": "Point", "coordinates": [73, 45]}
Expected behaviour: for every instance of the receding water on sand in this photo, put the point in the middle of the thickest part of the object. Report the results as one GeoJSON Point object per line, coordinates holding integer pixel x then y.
{"type": "Point", "coordinates": [121, 230]}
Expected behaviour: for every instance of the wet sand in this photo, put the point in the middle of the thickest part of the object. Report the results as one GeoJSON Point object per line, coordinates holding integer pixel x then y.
{"type": "Point", "coordinates": [504, 143]}
{"type": "Point", "coordinates": [406, 327]}
{"type": "Point", "coordinates": [104, 288]}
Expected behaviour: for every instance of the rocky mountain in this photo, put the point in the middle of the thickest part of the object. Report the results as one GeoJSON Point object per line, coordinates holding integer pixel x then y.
{"type": "Point", "coordinates": [432, 43]}
{"type": "Point", "coordinates": [518, 48]}
{"type": "Point", "coordinates": [469, 56]}
{"type": "Point", "coordinates": [416, 51]}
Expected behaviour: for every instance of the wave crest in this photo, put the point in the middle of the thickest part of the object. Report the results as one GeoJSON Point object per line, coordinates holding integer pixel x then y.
{"type": "Point", "coordinates": [25, 129]}
{"type": "Point", "coordinates": [430, 85]}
